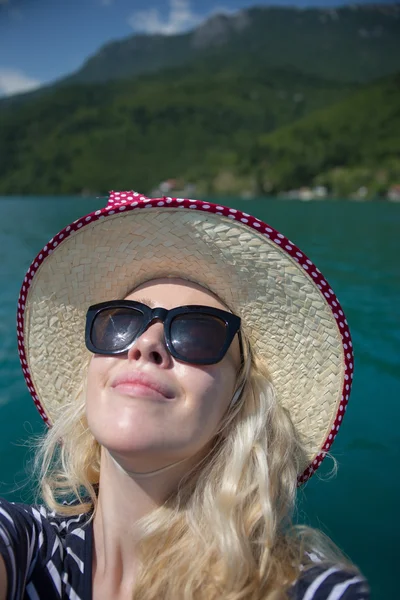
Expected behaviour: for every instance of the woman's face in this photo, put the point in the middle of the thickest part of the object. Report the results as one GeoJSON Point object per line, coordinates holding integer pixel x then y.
{"type": "Point", "coordinates": [148, 428]}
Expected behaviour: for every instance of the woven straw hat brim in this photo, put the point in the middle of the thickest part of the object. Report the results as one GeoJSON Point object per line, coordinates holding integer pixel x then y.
{"type": "Point", "coordinates": [291, 315]}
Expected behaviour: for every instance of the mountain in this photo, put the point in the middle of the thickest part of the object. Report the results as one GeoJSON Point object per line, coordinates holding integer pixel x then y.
{"type": "Point", "coordinates": [261, 101]}
{"type": "Point", "coordinates": [349, 44]}
{"type": "Point", "coordinates": [353, 44]}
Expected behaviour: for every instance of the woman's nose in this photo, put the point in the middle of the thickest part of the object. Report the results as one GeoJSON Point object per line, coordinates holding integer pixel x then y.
{"type": "Point", "coordinates": [150, 347]}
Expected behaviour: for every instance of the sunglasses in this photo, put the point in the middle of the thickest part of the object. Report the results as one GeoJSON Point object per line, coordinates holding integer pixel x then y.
{"type": "Point", "coordinates": [199, 335]}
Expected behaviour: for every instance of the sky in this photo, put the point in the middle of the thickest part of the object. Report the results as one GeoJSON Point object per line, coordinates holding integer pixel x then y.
{"type": "Point", "coordinates": [43, 40]}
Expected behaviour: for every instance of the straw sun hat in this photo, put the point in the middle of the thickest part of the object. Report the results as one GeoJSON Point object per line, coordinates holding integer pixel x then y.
{"type": "Point", "coordinates": [289, 312]}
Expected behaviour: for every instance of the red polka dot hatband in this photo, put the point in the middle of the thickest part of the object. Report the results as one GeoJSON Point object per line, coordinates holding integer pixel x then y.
{"type": "Point", "coordinates": [289, 312]}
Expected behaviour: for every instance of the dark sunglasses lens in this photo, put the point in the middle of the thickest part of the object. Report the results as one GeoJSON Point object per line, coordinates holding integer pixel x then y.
{"type": "Point", "coordinates": [198, 337]}
{"type": "Point", "coordinates": [115, 328]}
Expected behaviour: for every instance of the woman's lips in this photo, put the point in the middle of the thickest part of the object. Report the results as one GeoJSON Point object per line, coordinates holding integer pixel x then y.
{"type": "Point", "coordinates": [141, 385]}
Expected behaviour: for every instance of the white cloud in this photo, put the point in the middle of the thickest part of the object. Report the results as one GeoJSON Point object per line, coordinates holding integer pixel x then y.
{"type": "Point", "coordinates": [106, 2]}
{"type": "Point", "coordinates": [180, 18]}
{"type": "Point", "coordinates": [13, 81]}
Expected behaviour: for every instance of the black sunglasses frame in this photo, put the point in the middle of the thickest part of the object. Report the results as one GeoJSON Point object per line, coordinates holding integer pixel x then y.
{"type": "Point", "coordinates": [232, 323]}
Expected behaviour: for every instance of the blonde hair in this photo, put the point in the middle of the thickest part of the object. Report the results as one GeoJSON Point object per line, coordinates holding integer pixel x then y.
{"type": "Point", "coordinates": [227, 531]}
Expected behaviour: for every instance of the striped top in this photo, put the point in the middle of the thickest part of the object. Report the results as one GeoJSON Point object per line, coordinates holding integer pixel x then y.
{"type": "Point", "coordinates": [48, 556]}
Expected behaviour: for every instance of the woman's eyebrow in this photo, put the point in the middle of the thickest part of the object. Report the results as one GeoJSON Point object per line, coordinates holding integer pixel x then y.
{"type": "Point", "coordinates": [146, 301]}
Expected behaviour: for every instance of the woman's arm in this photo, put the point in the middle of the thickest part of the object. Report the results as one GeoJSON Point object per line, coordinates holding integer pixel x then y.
{"type": "Point", "coordinates": [19, 534]}
{"type": "Point", "coordinates": [3, 580]}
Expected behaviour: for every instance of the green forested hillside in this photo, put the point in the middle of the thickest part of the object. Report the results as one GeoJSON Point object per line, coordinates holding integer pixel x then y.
{"type": "Point", "coordinates": [178, 124]}
{"type": "Point", "coordinates": [354, 143]}
{"type": "Point", "coordinates": [230, 120]}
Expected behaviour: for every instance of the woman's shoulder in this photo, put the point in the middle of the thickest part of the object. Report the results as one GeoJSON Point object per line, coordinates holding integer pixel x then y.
{"type": "Point", "coordinates": [44, 551]}
{"type": "Point", "coordinates": [15, 515]}
{"type": "Point", "coordinates": [322, 581]}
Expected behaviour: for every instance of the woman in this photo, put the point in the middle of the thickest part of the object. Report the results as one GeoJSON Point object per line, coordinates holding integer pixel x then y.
{"type": "Point", "coordinates": [212, 379]}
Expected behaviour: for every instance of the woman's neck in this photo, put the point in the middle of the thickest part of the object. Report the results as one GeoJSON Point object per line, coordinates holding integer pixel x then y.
{"type": "Point", "coordinates": [123, 499]}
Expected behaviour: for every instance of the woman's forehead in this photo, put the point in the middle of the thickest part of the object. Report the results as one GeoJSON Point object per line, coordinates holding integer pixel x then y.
{"type": "Point", "coordinates": [172, 292]}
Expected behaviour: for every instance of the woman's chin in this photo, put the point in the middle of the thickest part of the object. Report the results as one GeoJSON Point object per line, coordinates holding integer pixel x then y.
{"type": "Point", "coordinates": [129, 444]}
{"type": "Point", "coordinates": [137, 461]}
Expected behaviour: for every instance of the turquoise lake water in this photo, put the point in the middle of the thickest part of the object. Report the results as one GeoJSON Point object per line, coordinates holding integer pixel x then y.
{"type": "Point", "coordinates": [357, 247]}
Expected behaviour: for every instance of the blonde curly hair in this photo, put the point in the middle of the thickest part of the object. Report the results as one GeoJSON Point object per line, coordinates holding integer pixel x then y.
{"type": "Point", "coordinates": [227, 531]}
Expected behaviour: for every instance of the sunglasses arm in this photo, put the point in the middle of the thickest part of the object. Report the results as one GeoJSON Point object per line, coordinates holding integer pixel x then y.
{"type": "Point", "coordinates": [239, 391]}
